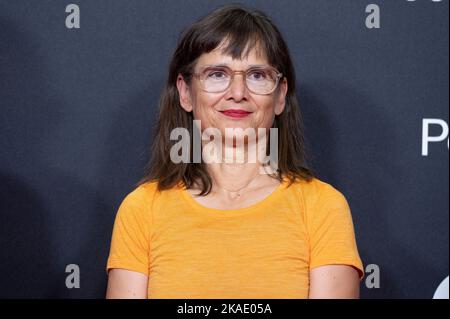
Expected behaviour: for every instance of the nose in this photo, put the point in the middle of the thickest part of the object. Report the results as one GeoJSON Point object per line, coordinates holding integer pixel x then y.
{"type": "Point", "coordinates": [237, 89]}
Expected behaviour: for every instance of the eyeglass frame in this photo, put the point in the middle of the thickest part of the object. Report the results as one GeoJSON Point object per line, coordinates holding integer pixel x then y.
{"type": "Point", "coordinates": [279, 76]}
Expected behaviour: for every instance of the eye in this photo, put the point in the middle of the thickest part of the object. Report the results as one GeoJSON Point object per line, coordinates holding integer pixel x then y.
{"type": "Point", "coordinates": [216, 74]}
{"type": "Point", "coordinates": [257, 75]}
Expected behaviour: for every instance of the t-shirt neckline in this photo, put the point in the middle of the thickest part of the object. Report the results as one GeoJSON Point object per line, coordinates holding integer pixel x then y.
{"type": "Point", "coordinates": [231, 212]}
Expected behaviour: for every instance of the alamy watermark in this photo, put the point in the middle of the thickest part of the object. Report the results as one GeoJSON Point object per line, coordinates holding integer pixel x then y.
{"type": "Point", "coordinates": [228, 148]}
{"type": "Point", "coordinates": [73, 279]}
{"type": "Point", "coordinates": [373, 276]}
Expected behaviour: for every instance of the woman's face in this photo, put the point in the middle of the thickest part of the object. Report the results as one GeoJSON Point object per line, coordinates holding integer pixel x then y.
{"type": "Point", "coordinates": [209, 107]}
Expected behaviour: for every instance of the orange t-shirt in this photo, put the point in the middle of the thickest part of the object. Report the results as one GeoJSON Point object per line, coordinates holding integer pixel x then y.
{"type": "Point", "coordinates": [263, 251]}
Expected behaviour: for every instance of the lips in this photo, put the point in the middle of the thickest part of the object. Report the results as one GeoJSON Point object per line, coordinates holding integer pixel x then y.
{"type": "Point", "coordinates": [235, 113]}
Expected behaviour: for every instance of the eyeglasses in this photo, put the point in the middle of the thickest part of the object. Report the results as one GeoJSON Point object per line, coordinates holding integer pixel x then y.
{"type": "Point", "coordinates": [258, 80]}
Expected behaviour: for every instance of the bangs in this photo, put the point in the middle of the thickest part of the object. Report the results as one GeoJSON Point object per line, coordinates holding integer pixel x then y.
{"type": "Point", "coordinates": [237, 33]}
{"type": "Point", "coordinates": [239, 46]}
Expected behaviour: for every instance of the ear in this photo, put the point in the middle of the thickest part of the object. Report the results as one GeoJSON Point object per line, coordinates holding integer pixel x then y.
{"type": "Point", "coordinates": [280, 102]}
{"type": "Point", "coordinates": [184, 93]}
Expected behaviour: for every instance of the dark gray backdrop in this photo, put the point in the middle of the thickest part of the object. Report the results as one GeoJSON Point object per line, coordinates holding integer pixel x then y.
{"type": "Point", "coordinates": [77, 108]}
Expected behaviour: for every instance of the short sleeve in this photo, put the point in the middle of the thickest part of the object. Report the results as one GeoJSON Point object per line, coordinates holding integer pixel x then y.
{"type": "Point", "coordinates": [130, 242]}
{"type": "Point", "coordinates": [331, 231]}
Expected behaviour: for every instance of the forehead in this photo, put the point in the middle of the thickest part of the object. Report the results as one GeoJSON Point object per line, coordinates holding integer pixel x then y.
{"type": "Point", "coordinates": [254, 56]}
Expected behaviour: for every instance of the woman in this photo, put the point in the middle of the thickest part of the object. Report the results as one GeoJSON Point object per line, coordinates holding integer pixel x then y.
{"type": "Point", "coordinates": [228, 227]}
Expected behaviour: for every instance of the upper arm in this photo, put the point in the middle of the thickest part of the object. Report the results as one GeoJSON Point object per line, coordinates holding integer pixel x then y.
{"type": "Point", "coordinates": [334, 282]}
{"type": "Point", "coordinates": [128, 261]}
{"type": "Point", "coordinates": [124, 283]}
{"type": "Point", "coordinates": [331, 236]}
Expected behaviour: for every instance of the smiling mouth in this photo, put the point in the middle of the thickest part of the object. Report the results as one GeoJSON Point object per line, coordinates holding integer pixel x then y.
{"type": "Point", "coordinates": [236, 113]}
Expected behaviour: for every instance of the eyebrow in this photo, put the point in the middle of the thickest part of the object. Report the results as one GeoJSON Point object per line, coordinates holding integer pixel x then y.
{"type": "Point", "coordinates": [228, 66]}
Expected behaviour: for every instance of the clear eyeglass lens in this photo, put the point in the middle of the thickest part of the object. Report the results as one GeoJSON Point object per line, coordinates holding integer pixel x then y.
{"type": "Point", "coordinates": [260, 81]}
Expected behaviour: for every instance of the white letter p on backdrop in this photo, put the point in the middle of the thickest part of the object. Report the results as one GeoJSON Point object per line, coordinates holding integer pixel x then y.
{"type": "Point", "coordinates": [426, 138]}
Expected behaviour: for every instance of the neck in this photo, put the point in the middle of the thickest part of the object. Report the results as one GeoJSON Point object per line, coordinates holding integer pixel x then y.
{"type": "Point", "coordinates": [235, 170]}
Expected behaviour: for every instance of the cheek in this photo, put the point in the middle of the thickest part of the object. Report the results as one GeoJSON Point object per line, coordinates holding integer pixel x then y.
{"type": "Point", "coordinates": [204, 107]}
{"type": "Point", "coordinates": [266, 112]}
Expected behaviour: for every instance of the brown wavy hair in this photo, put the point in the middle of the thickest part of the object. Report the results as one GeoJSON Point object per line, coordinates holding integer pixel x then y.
{"type": "Point", "coordinates": [244, 29]}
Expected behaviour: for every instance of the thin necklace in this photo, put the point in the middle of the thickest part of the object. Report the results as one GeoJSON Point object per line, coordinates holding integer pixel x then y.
{"type": "Point", "coordinates": [238, 191]}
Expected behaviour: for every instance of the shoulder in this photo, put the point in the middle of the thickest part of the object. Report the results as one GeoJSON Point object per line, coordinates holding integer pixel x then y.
{"type": "Point", "coordinates": [142, 193]}
{"type": "Point", "coordinates": [146, 190]}
{"type": "Point", "coordinates": [139, 200]}
{"type": "Point", "coordinates": [316, 196]}
{"type": "Point", "coordinates": [147, 196]}
{"type": "Point", "coordinates": [316, 193]}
